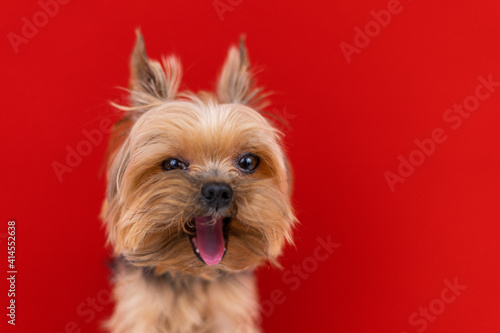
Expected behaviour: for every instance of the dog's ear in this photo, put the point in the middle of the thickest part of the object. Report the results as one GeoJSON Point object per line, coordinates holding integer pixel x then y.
{"type": "Point", "coordinates": [236, 82]}
{"type": "Point", "coordinates": [149, 81]}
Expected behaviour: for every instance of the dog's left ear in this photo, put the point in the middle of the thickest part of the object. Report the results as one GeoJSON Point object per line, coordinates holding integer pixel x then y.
{"type": "Point", "coordinates": [149, 81]}
{"type": "Point", "coordinates": [236, 82]}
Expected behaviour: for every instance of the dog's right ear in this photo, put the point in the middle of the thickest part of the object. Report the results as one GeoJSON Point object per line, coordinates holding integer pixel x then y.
{"type": "Point", "coordinates": [151, 83]}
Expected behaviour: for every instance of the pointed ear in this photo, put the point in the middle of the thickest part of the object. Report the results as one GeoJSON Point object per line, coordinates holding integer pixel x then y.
{"type": "Point", "coordinates": [149, 81]}
{"type": "Point", "coordinates": [236, 83]}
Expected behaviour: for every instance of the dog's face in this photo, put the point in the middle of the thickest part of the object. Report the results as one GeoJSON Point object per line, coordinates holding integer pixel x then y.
{"type": "Point", "coordinates": [198, 183]}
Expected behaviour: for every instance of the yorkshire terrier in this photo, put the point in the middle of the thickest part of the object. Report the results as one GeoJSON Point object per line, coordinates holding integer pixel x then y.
{"type": "Point", "coordinates": [198, 196]}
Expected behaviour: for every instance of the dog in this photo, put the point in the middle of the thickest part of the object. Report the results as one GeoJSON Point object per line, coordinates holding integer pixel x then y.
{"type": "Point", "coordinates": [198, 195]}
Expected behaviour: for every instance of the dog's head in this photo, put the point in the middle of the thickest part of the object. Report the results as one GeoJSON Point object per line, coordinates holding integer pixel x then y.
{"type": "Point", "coordinates": [196, 182]}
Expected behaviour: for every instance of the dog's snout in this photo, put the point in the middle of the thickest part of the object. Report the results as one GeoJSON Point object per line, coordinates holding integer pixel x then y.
{"type": "Point", "coordinates": [217, 195]}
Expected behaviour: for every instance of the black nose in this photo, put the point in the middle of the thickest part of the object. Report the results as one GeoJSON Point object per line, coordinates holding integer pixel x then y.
{"type": "Point", "coordinates": [217, 195]}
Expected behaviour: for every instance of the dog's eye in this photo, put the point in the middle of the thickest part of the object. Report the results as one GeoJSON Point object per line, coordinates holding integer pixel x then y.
{"type": "Point", "coordinates": [172, 163]}
{"type": "Point", "coordinates": [248, 163]}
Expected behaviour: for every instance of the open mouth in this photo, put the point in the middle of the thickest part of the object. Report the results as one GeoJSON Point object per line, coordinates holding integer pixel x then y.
{"type": "Point", "coordinates": [209, 237]}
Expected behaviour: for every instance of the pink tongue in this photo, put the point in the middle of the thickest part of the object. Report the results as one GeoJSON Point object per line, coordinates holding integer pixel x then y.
{"type": "Point", "coordinates": [209, 239]}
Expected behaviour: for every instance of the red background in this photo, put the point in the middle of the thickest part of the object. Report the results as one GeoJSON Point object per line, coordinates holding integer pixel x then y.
{"type": "Point", "coordinates": [349, 123]}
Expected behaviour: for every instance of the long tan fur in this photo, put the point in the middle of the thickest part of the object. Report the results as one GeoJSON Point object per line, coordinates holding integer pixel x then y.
{"type": "Point", "coordinates": [160, 285]}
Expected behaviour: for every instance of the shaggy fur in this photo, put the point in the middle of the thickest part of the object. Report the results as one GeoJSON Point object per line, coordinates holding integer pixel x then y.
{"type": "Point", "coordinates": [160, 284]}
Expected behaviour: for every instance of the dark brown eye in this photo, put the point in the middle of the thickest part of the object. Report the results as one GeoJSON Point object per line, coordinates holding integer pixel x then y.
{"type": "Point", "coordinates": [172, 164]}
{"type": "Point", "coordinates": [248, 163]}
